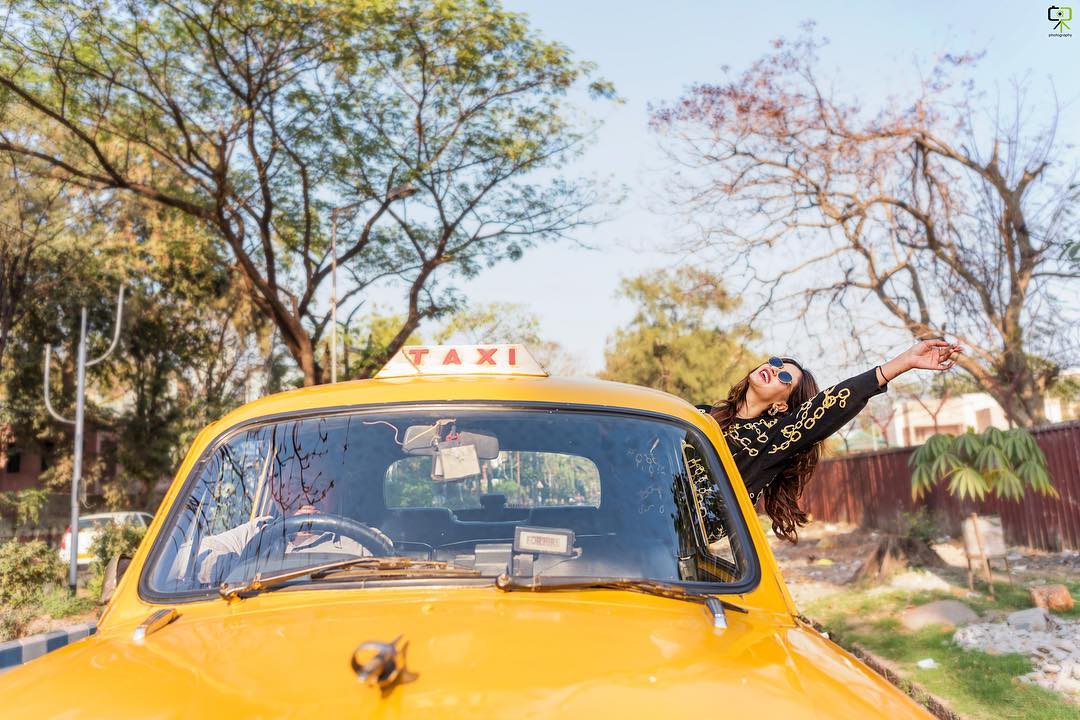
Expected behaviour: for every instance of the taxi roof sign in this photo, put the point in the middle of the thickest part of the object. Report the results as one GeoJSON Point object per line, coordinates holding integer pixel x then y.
{"type": "Point", "coordinates": [416, 360]}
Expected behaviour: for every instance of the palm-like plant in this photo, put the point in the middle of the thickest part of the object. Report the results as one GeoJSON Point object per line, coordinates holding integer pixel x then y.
{"type": "Point", "coordinates": [1006, 463]}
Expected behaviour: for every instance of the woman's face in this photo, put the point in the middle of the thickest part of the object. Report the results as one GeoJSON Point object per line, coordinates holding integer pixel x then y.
{"type": "Point", "coordinates": [766, 386]}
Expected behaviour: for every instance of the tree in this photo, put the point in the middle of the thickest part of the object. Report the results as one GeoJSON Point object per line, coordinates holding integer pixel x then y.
{"type": "Point", "coordinates": [1005, 462]}
{"type": "Point", "coordinates": [502, 322]}
{"type": "Point", "coordinates": [880, 413]}
{"type": "Point", "coordinates": [189, 345]}
{"type": "Point", "coordinates": [428, 121]}
{"type": "Point", "coordinates": [948, 225]}
{"type": "Point", "coordinates": [374, 332]}
{"type": "Point", "coordinates": [188, 348]}
{"type": "Point", "coordinates": [36, 231]}
{"type": "Point", "coordinates": [75, 277]}
{"type": "Point", "coordinates": [677, 340]}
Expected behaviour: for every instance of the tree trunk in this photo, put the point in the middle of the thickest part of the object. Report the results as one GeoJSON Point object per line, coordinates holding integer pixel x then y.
{"type": "Point", "coordinates": [305, 356]}
{"type": "Point", "coordinates": [894, 553]}
{"type": "Point", "coordinates": [1023, 401]}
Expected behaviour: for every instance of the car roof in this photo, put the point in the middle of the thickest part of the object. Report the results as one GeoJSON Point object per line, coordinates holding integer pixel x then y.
{"type": "Point", "coordinates": [481, 388]}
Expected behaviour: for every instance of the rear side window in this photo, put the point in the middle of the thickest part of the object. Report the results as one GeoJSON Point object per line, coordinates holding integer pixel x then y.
{"type": "Point", "coordinates": [524, 479]}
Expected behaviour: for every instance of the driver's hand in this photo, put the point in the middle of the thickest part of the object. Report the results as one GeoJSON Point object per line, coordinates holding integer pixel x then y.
{"type": "Point", "coordinates": [307, 510]}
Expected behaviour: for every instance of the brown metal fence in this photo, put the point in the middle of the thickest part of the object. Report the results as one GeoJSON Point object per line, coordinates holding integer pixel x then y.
{"type": "Point", "coordinates": [871, 489]}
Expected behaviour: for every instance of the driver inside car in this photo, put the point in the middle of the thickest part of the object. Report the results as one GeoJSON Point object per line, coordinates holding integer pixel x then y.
{"type": "Point", "coordinates": [218, 553]}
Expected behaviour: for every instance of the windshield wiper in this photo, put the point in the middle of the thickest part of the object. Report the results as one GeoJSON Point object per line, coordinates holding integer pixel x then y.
{"type": "Point", "coordinates": [650, 587]}
{"type": "Point", "coordinates": [396, 567]}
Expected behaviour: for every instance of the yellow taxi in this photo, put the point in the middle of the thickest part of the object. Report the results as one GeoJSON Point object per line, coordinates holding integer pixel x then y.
{"type": "Point", "coordinates": [461, 536]}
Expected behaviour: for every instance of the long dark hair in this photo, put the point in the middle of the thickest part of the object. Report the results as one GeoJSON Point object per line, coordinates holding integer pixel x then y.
{"type": "Point", "coordinates": [782, 495]}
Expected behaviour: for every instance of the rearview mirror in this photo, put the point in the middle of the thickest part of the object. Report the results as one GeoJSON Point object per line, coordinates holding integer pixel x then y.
{"type": "Point", "coordinates": [421, 440]}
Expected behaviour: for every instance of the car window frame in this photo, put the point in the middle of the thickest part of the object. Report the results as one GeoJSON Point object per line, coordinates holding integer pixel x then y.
{"type": "Point", "coordinates": [751, 578]}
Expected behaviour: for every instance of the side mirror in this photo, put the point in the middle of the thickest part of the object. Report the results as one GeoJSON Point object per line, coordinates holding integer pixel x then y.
{"type": "Point", "coordinates": [113, 572]}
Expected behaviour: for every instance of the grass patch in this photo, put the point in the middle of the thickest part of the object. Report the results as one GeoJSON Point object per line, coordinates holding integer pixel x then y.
{"type": "Point", "coordinates": [866, 604]}
{"type": "Point", "coordinates": [58, 602]}
{"type": "Point", "coordinates": [1015, 597]}
{"type": "Point", "coordinates": [888, 603]}
{"type": "Point", "coordinates": [975, 684]}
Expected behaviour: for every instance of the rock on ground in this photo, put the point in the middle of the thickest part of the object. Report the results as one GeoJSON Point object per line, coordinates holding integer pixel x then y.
{"type": "Point", "coordinates": [1032, 619]}
{"type": "Point", "coordinates": [951, 613]}
{"type": "Point", "coordinates": [1055, 598]}
{"type": "Point", "coordinates": [1054, 650]}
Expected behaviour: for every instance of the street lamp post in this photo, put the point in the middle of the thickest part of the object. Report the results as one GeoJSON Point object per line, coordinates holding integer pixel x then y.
{"type": "Point", "coordinates": [333, 295]}
{"type": "Point", "coordinates": [333, 285]}
{"type": "Point", "coordinates": [80, 404]}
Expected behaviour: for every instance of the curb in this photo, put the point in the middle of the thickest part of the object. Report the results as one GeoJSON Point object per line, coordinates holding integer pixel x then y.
{"type": "Point", "coordinates": [23, 650]}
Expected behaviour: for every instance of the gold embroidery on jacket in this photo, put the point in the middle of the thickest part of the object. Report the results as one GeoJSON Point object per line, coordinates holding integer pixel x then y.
{"type": "Point", "coordinates": [806, 421]}
{"type": "Point", "coordinates": [757, 427]}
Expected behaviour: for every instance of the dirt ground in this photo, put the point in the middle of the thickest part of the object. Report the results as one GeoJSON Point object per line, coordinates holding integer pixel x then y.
{"type": "Point", "coordinates": [829, 554]}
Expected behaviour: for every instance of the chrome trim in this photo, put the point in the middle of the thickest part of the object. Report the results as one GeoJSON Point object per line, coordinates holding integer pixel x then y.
{"type": "Point", "coordinates": [714, 608]}
{"type": "Point", "coordinates": [153, 622]}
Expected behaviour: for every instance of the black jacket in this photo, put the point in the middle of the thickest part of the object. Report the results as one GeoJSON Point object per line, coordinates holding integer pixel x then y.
{"type": "Point", "coordinates": [763, 446]}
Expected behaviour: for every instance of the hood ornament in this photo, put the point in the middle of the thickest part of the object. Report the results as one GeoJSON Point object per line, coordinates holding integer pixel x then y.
{"type": "Point", "coordinates": [382, 664]}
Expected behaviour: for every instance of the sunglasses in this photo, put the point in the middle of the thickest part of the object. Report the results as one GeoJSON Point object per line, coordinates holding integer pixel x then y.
{"type": "Point", "coordinates": [783, 376]}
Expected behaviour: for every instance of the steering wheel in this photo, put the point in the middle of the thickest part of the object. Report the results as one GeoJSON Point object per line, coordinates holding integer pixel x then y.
{"type": "Point", "coordinates": [271, 539]}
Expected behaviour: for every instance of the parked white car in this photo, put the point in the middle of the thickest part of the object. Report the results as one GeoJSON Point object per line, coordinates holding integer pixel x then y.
{"type": "Point", "coordinates": [91, 525]}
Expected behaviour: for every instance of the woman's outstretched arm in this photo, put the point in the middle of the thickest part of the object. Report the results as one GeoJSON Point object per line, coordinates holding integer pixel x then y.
{"type": "Point", "coordinates": [831, 409]}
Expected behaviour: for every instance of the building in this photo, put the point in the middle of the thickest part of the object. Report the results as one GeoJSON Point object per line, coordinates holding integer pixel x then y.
{"type": "Point", "coordinates": [915, 420]}
{"type": "Point", "coordinates": [21, 467]}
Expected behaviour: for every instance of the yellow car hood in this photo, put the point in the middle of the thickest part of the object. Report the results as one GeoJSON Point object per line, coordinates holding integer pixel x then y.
{"type": "Point", "coordinates": [478, 653]}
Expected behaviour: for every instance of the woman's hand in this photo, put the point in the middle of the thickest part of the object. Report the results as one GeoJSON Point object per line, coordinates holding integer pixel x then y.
{"type": "Point", "coordinates": [930, 355]}
{"type": "Point", "coordinates": [925, 355]}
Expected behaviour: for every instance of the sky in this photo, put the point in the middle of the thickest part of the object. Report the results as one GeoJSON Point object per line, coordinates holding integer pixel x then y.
{"type": "Point", "coordinates": [653, 51]}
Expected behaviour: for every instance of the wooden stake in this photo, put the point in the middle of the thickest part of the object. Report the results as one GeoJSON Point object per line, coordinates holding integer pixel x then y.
{"type": "Point", "coordinates": [982, 554]}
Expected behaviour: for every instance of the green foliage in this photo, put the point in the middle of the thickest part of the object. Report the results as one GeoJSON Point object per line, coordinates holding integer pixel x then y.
{"type": "Point", "coordinates": [365, 343]}
{"type": "Point", "coordinates": [14, 621]}
{"type": "Point", "coordinates": [978, 684]}
{"type": "Point", "coordinates": [920, 525]}
{"type": "Point", "coordinates": [96, 582]}
{"type": "Point", "coordinates": [26, 569]}
{"type": "Point", "coordinates": [114, 540]}
{"type": "Point", "coordinates": [32, 584]}
{"type": "Point", "coordinates": [453, 107]}
{"type": "Point", "coordinates": [1006, 463]}
{"type": "Point", "coordinates": [527, 479]}
{"type": "Point", "coordinates": [58, 602]}
{"type": "Point", "coordinates": [677, 340]}
{"type": "Point", "coordinates": [187, 347]}
{"type": "Point", "coordinates": [24, 504]}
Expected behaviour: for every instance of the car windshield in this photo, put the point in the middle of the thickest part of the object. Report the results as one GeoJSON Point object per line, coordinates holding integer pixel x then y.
{"type": "Point", "coordinates": [527, 493]}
